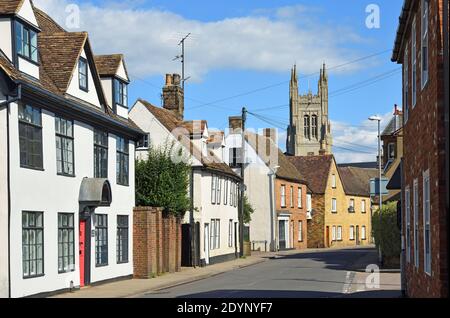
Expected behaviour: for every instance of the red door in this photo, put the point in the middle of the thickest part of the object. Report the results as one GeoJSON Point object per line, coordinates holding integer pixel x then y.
{"type": "Point", "coordinates": [82, 250]}
{"type": "Point", "coordinates": [328, 236]}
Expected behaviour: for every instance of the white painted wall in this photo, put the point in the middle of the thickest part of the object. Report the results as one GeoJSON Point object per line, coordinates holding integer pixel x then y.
{"type": "Point", "coordinates": [257, 181]}
{"type": "Point", "coordinates": [202, 184]}
{"type": "Point", "coordinates": [121, 72]}
{"type": "Point", "coordinates": [74, 88]}
{"type": "Point", "coordinates": [5, 38]}
{"type": "Point", "coordinates": [26, 12]}
{"type": "Point", "coordinates": [107, 89]}
{"type": "Point", "coordinates": [46, 191]}
{"type": "Point", "coordinates": [28, 67]}
{"type": "Point", "coordinates": [3, 204]}
{"type": "Point", "coordinates": [122, 111]}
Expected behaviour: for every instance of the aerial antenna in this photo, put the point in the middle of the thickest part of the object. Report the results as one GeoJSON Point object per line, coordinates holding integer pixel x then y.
{"type": "Point", "coordinates": [183, 78]}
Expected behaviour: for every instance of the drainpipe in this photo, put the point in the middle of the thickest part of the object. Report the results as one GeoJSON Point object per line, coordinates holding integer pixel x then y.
{"type": "Point", "coordinates": [273, 241]}
{"type": "Point", "coordinates": [192, 224]}
{"type": "Point", "coordinates": [8, 172]}
{"type": "Point", "coordinates": [446, 109]}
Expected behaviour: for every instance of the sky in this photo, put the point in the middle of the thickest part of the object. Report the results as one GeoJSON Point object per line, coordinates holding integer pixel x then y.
{"type": "Point", "coordinates": [240, 53]}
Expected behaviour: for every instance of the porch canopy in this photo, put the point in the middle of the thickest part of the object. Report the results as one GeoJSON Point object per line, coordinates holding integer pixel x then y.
{"type": "Point", "coordinates": [95, 192]}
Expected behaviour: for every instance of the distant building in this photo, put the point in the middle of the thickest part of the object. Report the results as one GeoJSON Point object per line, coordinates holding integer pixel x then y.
{"type": "Point", "coordinates": [309, 131]}
{"type": "Point", "coordinates": [419, 49]}
{"type": "Point", "coordinates": [341, 207]}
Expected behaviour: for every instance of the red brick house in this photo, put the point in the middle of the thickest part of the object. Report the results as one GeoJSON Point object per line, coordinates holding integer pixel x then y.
{"type": "Point", "coordinates": [419, 47]}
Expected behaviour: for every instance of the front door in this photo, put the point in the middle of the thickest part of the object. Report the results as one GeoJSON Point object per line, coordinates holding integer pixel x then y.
{"type": "Point", "coordinates": [282, 234]}
{"type": "Point", "coordinates": [82, 246]}
{"type": "Point", "coordinates": [206, 243]}
{"type": "Point", "coordinates": [327, 233]}
{"type": "Point", "coordinates": [357, 235]}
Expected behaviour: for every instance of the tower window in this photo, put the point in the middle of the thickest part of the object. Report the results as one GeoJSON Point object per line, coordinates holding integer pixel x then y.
{"type": "Point", "coordinates": [306, 125]}
{"type": "Point", "coordinates": [314, 126]}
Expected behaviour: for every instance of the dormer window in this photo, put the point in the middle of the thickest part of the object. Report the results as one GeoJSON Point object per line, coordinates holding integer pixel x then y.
{"type": "Point", "coordinates": [120, 93]}
{"type": "Point", "coordinates": [26, 42]}
{"type": "Point", "coordinates": [83, 74]}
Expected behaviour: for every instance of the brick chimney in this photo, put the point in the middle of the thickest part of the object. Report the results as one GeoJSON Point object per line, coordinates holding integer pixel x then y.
{"type": "Point", "coordinates": [173, 95]}
{"type": "Point", "coordinates": [271, 133]}
{"type": "Point", "coordinates": [235, 124]}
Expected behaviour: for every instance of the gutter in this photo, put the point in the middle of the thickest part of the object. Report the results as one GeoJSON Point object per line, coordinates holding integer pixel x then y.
{"type": "Point", "coordinates": [75, 106]}
{"type": "Point", "coordinates": [8, 172]}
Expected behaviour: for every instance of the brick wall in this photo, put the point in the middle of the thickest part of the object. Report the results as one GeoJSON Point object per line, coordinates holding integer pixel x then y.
{"type": "Point", "coordinates": [424, 149]}
{"type": "Point", "coordinates": [156, 243]}
{"type": "Point", "coordinates": [316, 226]}
{"type": "Point", "coordinates": [297, 214]}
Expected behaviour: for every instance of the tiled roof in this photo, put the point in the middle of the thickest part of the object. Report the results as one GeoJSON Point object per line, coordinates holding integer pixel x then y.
{"type": "Point", "coordinates": [59, 52]}
{"type": "Point", "coordinates": [171, 122]}
{"type": "Point", "coordinates": [10, 6]}
{"type": "Point", "coordinates": [107, 65]}
{"type": "Point", "coordinates": [315, 169]}
{"type": "Point", "coordinates": [356, 180]}
{"type": "Point", "coordinates": [190, 125]}
{"type": "Point", "coordinates": [268, 150]}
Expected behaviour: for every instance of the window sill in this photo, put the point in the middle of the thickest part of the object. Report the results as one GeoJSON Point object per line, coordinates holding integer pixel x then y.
{"type": "Point", "coordinates": [101, 265]}
{"type": "Point", "coordinates": [26, 58]}
{"type": "Point", "coordinates": [124, 262]}
{"type": "Point", "coordinates": [32, 168]}
{"type": "Point", "coordinates": [66, 175]}
{"type": "Point", "coordinates": [35, 276]}
{"type": "Point", "coordinates": [123, 185]}
{"type": "Point", "coordinates": [84, 89]}
{"type": "Point", "coordinates": [66, 272]}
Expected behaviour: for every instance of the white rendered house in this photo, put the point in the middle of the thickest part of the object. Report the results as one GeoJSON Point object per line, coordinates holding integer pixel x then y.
{"type": "Point", "coordinates": [214, 186]}
{"type": "Point", "coordinates": [66, 160]}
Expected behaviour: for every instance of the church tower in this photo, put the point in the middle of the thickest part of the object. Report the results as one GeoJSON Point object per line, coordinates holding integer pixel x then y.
{"type": "Point", "coordinates": [309, 131]}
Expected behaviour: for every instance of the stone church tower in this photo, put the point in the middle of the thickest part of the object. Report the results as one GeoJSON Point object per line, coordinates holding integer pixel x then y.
{"type": "Point", "coordinates": [309, 131]}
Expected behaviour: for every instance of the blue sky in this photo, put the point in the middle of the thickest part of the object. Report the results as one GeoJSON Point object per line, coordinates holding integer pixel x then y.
{"type": "Point", "coordinates": [239, 47]}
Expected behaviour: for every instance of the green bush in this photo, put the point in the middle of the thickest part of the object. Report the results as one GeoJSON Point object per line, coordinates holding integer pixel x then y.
{"type": "Point", "coordinates": [387, 234]}
{"type": "Point", "coordinates": [163, 182]}
{"type": "Point", "coordinates": [248, 210]}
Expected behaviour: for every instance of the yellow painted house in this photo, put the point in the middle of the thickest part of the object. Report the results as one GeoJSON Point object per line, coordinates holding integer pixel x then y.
{"type": "Point", "coordinates": [341, 202]}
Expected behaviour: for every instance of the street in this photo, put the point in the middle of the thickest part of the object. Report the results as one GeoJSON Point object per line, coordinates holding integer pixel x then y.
{"type": "Point", "coordinates": [330, 273]}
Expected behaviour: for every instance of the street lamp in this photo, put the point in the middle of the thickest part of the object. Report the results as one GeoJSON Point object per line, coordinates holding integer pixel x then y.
{"type": "Point", "coordinates": [378, 119]}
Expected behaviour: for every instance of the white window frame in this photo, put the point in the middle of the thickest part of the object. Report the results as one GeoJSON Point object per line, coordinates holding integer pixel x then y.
{"type": "Point", "coordinates": [339, 233]}
{"type": "Point", "coordinates": [416, 221]}
{"type": "Point", "coordinates": [334, 205]}
{"type": "Point", "coordinates": [408, 223]}
{"type": "Point", "coordinates": [300, 231]}
{"type": "Point", "coordinates": [414, 63]}
{"type": "Point", "coordinates": [363, 206]}
{"type": "Point", "coordinates": [218, 189]}
{"type": "Point", "coordinates": [333, 181]}
{"type": "Point", "coordinates": [283, 196]}
{"type": "Point", "coordinates": [391, 149]}
{"type": "Point", "coordinates": [308, 202]}
{"type": "Point", "coordinates": [300, 198]}
{"type": "Point", "coordinates": [291, 199]}
{"type": "Point", "coordinates": [230, 233]}
{"type": "Point", "coordinates": [363, 233]}
{"type": "Point", "coordinates": [225, 192]}
{"type": "Point", "coordinates": [426, 222]}
{"type": "Point", "coordinates": [352, 203]}
{"type": "Point", "coordinates": [333, 233]}
{"type": "Point", "coordinates": [352, 233]}
{"type": "Point", "coordinates": [425, 58]}
{"type": "Point", "coordinates": [213, 189]}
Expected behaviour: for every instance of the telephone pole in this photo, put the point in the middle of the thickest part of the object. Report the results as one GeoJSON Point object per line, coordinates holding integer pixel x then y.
{"type": "Point", "coordinates": [241, 214]}
{"type": "Point", "coordinates": [182, 57]}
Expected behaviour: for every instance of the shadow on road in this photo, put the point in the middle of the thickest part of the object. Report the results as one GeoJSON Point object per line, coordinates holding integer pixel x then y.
{"type": "Point", "coordinates": [343, 259]}
{"type": "Point", "coordinates": [280, 294]}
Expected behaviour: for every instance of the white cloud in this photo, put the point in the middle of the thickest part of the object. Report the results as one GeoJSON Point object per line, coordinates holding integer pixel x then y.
{"type": "Point", "coordinates": [363, 138]}
{"type": "Point", "coordinates": [149, 38]}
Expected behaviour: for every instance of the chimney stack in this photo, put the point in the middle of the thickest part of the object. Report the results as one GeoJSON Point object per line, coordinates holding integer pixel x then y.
{"type": "Point", "coordinates": [173, 95]}
{"type": "Point", "coordinates": [235, 124]}
{"type": "Point", "coordinates": [271, 133]}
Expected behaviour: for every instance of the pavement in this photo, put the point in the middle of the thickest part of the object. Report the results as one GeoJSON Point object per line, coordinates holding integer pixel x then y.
{"type": "Point", "coordinates": [290, 274]}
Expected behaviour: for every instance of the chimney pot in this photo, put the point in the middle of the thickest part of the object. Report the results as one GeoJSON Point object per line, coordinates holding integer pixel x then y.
{"type": "Point", "coordinates": [169, 79]}
{"type": "Point", "coordinates": [235, 124]}
{"type": "Point", "coordinates": [176, 79]}
{"type": "Point", "coordinates": [271, 133]}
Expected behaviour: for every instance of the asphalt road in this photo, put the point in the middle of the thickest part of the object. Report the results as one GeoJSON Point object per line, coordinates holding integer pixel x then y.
{"type": "Point", "coordinates": [303, 275]}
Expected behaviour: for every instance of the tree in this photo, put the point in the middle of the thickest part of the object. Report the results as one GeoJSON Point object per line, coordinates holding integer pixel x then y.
{"type": "Point", "coordinates": [163, 182]}
{"type": "Point", "coordinates": [248, 210]}
{"type": "Point", "coordinates": [387, 234]}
